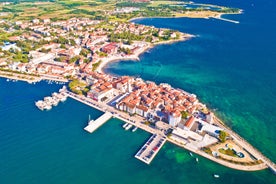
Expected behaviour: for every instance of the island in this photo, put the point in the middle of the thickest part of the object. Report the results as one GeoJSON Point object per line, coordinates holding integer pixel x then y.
{"type": "Point", "coordinates": [72, 41]}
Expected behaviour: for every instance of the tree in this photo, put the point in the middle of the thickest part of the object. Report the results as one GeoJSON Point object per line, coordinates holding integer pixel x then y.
{"type": "Point", "coordinates": [184, 114]}
{"type": "Point", "coordinates": [84, 52]}
{"type": "Point", "coordinates": [222, 136]}
{"type": "Point", "coordinates": [74, 59]}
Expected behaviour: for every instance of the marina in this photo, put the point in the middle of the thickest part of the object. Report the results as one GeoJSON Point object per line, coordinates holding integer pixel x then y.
{"type": "Point", "coordinates": [49, 101]}
{"type": "Point", "coordinates": [150, 149]}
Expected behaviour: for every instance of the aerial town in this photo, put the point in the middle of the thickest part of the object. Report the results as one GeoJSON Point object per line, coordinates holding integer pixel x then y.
{"type": "Point", "coordinates": [68, 48]}
{"type": "Point", "coordinates": [75, 50]}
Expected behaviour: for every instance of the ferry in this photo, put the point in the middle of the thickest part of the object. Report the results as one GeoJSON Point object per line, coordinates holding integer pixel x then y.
{"type": "Point", "coordinates": [134, 129]}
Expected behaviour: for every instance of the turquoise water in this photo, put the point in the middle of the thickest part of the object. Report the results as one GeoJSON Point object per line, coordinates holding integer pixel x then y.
{"type": "Point", "coordinates": [229, 66]}
{"type": "Point", "coordinates": [52, 147]}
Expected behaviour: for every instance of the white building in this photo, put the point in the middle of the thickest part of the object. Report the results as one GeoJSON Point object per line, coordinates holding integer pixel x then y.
{"type": "Point", "coordinates": [174, 118]}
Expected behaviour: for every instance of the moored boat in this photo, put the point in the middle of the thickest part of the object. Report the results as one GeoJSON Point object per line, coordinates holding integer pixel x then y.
{"type": "Point", "coordinates": [134, 129]}
{"type": "Point", "coordinates": [216, 176]}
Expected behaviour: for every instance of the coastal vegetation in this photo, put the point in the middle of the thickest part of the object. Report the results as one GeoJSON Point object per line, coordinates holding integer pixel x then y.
{"type": "Point", "coordinates": [222, 136]}
{"type": "Point", "coordinates": [105, 10]}
{"type": "Point", "coordinates": [228, 151]}
{"type": "Point", "coordinates": [96, 65]}
{"type": "Point", "coordinates": [78, 87]}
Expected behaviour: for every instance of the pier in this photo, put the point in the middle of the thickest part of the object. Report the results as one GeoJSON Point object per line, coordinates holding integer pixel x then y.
{"type": "Point", "coordinates": [94, 125]}
{"type": "Point", "coordinates": [227, 20]}
{"type": "Point", "coordinates": [151, 148]}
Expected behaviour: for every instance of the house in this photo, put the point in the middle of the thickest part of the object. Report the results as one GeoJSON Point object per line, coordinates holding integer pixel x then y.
{"type": "Point", "coordinates": [188, 124]}
{"type": "Point", "coordinates": [100, 92]}
{"type": "Point", "coordinates": [142, 111]}
{"type": "Point", "coordinates": [110, 48]}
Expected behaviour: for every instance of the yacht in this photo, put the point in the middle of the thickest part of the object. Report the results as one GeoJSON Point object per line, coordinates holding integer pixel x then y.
{"type": "Point", "coordinates": [134, 129]}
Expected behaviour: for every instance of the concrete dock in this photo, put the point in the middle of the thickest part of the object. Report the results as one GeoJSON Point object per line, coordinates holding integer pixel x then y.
{"type": "Point", "coordinates": [94, 125]}
{"type": "Point", "coordinates": [151, 148]}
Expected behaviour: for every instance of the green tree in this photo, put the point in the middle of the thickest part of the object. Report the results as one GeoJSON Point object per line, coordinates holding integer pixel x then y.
{"type": "Point", "coordinates": [222, 136]}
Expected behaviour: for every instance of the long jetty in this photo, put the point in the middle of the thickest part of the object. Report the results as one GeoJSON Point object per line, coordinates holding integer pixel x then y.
{"type": "Point", "coordinates": [227, 20]}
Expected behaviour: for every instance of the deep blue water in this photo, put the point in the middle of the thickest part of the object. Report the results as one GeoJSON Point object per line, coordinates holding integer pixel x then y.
{"type": "Point", "coordinates": [231, 67]}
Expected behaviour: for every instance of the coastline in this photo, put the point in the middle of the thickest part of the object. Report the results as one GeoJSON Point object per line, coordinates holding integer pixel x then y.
{"type": "Point", "coordinates": [137, 121]}
{"type": "Point", "coordinates": [135, 56]}
{"type": "Point", "coordinates": [190, 15]}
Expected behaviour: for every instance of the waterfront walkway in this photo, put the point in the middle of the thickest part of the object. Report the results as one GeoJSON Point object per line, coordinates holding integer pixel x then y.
{"type": "Point", "coordinates": [94, 125]}
{"type": "Point", "coordinates": [138, 121]}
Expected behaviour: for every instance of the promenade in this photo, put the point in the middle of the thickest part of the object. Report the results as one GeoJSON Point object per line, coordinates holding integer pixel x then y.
{"type": "Point", "coordinates": [20, 77]}
{"type": "Point", "coordinates": [139, 122]}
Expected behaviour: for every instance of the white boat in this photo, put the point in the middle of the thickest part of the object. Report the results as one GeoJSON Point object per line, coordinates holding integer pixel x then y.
{"type": "Point", "coordinates": [40, 104]}
{"type": "Point", "coordinates": [196, 159]}
{"type": "Point", "coordinates": [128, 126]}
{"type": "Point", "coordinates": [134, 129]}
{"type": "Point", "coordinates": [125, 125]}
{"type": "Point", "coordinates": [216, 176]}
{"type": "Point", "coordinates": [55, 102]}
{"type": "Point", "coordinates": [191, 154]}
{"type": "Point", "coordinates": [63, 98]}
{"type": "Point", "coordinates": [48, 107]}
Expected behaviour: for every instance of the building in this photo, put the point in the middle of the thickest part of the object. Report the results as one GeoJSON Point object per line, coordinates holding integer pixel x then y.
{"type": "Point", "coordinates": [7, 46]}
{"type": "Point", "coordinates": [100, 90]}
{"type": "Point", "coordinates": [110, 48]}
{"type": "Point", "coordinates": [174, 118]}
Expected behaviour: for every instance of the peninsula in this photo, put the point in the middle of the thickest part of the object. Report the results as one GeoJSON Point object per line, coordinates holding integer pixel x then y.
{"type": "Point", "coordinates": [72, 41]}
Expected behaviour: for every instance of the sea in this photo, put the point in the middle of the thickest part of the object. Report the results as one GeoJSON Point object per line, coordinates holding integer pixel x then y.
{"type": "Point", "coordinates": [230, 67]}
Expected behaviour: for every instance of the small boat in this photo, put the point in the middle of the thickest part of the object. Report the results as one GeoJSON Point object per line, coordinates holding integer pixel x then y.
{"type": "Point", "coordinates": [125, 125]}
{"type": "Point", "coordinates": [128, 126]}
{"type": "Point", "coordinates": [48, 107]}
{"type": "Point", "coordinates": [196, 159]}
{"type": "Point", "coordinates": [216, 176]}
{"type": "Point", "coordinates": [191, 154]}
{"type": "Point", "coordinates": [134, 129]}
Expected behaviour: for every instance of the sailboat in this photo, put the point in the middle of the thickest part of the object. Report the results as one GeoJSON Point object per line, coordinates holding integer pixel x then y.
{"type": "Point", "coordinates": [89, 120]}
